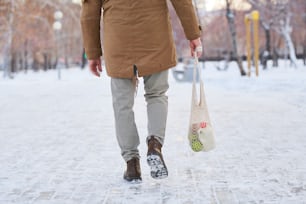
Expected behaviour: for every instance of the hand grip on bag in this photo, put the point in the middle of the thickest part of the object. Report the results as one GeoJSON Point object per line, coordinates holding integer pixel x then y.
{"type": "Point", "coordinates": [199, 49]}
{"type": "Point", "coordinates": [198, 52]}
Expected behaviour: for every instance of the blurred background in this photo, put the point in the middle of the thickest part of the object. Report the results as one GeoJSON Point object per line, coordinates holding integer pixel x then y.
{"type": "Point", "coordinates": [45, 34]}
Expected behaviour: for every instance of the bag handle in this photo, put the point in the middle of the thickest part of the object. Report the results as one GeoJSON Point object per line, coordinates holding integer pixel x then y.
{"type": "Point", "coordinates": [198, 71]}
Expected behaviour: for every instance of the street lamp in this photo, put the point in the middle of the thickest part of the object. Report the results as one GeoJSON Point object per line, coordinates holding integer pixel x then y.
{"type": "Point", "coordinates": [57, 26]}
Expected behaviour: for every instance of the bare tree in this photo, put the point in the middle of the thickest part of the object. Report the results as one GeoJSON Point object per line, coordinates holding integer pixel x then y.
{"type": "Point", "coordinates": [27, 37]}
{"type": "Point", "coordinates": [276, 15]}
{"type": "Point", "coordinates": [231, 23]}
{"type": "Point", "coordinates": [8, 13]}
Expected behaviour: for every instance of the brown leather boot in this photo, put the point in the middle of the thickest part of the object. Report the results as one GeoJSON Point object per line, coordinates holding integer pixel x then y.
{"type": "Point", "coordinates": [132, 172]}
{"type": "Point", "coordinates": [155, 159]}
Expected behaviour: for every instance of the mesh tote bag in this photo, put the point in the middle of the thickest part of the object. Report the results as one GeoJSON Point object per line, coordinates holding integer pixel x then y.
{"type": "Point", "coordinates": [201, 135]}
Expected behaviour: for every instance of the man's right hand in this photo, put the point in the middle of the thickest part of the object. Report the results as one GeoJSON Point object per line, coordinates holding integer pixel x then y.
{"type": "Point", "coordinates": [95, 66]}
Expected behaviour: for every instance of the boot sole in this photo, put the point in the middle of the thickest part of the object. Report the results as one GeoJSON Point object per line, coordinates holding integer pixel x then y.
{"type": "Point", "coordinates": [133, 181]}
{"type": "Point", "coordinates": [158, 167]}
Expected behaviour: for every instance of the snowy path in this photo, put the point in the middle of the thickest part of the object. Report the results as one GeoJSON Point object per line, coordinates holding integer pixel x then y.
{"type": "Point", "coordinates": [58, 146]}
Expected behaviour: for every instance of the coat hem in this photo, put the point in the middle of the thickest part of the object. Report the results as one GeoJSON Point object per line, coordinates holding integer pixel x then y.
{"type": "Point", "coordinates": [141, 73]}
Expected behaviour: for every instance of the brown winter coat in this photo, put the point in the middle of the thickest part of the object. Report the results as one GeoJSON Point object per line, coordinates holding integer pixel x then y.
{"type": "Point", "coordinates": [135, 32]}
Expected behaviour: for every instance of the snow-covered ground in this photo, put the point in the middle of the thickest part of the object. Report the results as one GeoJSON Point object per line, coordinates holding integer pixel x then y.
{"type": "Point", "coordinates": [58, 145]}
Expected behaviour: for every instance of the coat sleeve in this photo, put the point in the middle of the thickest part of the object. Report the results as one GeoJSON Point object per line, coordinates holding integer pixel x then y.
{"type": "Point", "coordinates": [185, 11]}
{"type": "Point", "coordinates": [90, 24]}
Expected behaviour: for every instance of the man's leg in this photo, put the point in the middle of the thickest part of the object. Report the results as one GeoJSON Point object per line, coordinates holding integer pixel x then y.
{"type": "Point", "coordinates": [123, 92]}
{"type": "Point", "coordinates": [123, 101]}
{"type": "Point", "coordinates": [156, 86]}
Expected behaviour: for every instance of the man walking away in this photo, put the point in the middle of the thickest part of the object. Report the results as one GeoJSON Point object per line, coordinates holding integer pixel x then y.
{"type": "Point", "coordinates": [137, 42]}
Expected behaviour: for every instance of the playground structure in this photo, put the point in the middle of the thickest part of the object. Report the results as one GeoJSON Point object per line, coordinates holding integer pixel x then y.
{"type": "Point", "coordinates": [252, 19]}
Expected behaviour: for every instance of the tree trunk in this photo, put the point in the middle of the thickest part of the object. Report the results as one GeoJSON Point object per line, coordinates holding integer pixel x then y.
{"type": "Point", "coordinates": [21, 63]}
{"type": "Point", "coordinates": [55, 62]}
{"type": "Point", "coordinates": [84, 59]}
{"type": "Point", "coordinates": [8, 65]}
{"type": "Point", "coordinates": [285, 31]}
{"type": "Point", "coordinates": [232, 28]}
{"type": "Point", "coordinates": [13, 64]}
{"type": "Point", "coordinates": [26, 63]}
{"type": "Point", "coordinates": [291, 50]}
{"type": "Point", "coordinates": [275, 58]}
{"type": "Point", "coordinates": [268, 39]}
{"type": "Point", "coordinates": [49, 61]}
{"type": "Point", "coordinates": [45, 61]}
{"type": "Point", "coordinates": [36, 63]}
{"type": "Point", "coordinates": [304, 55]}
{"type": "Point", "coordinates": [275, 53]}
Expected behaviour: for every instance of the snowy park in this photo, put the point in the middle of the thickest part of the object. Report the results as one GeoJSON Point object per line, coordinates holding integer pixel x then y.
{"type": "Point", "coordinates": [58, 143]}
{"type": "Point", "coordinates": [58, 140]}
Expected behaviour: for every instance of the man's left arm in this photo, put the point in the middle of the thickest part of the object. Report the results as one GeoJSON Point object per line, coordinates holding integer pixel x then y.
{"type": "Point", "coordinates": [186, 13]}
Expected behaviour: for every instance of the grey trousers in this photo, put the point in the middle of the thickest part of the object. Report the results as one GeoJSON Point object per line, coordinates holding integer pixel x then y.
{"type": "Point", "coordinates": [123, 94]}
